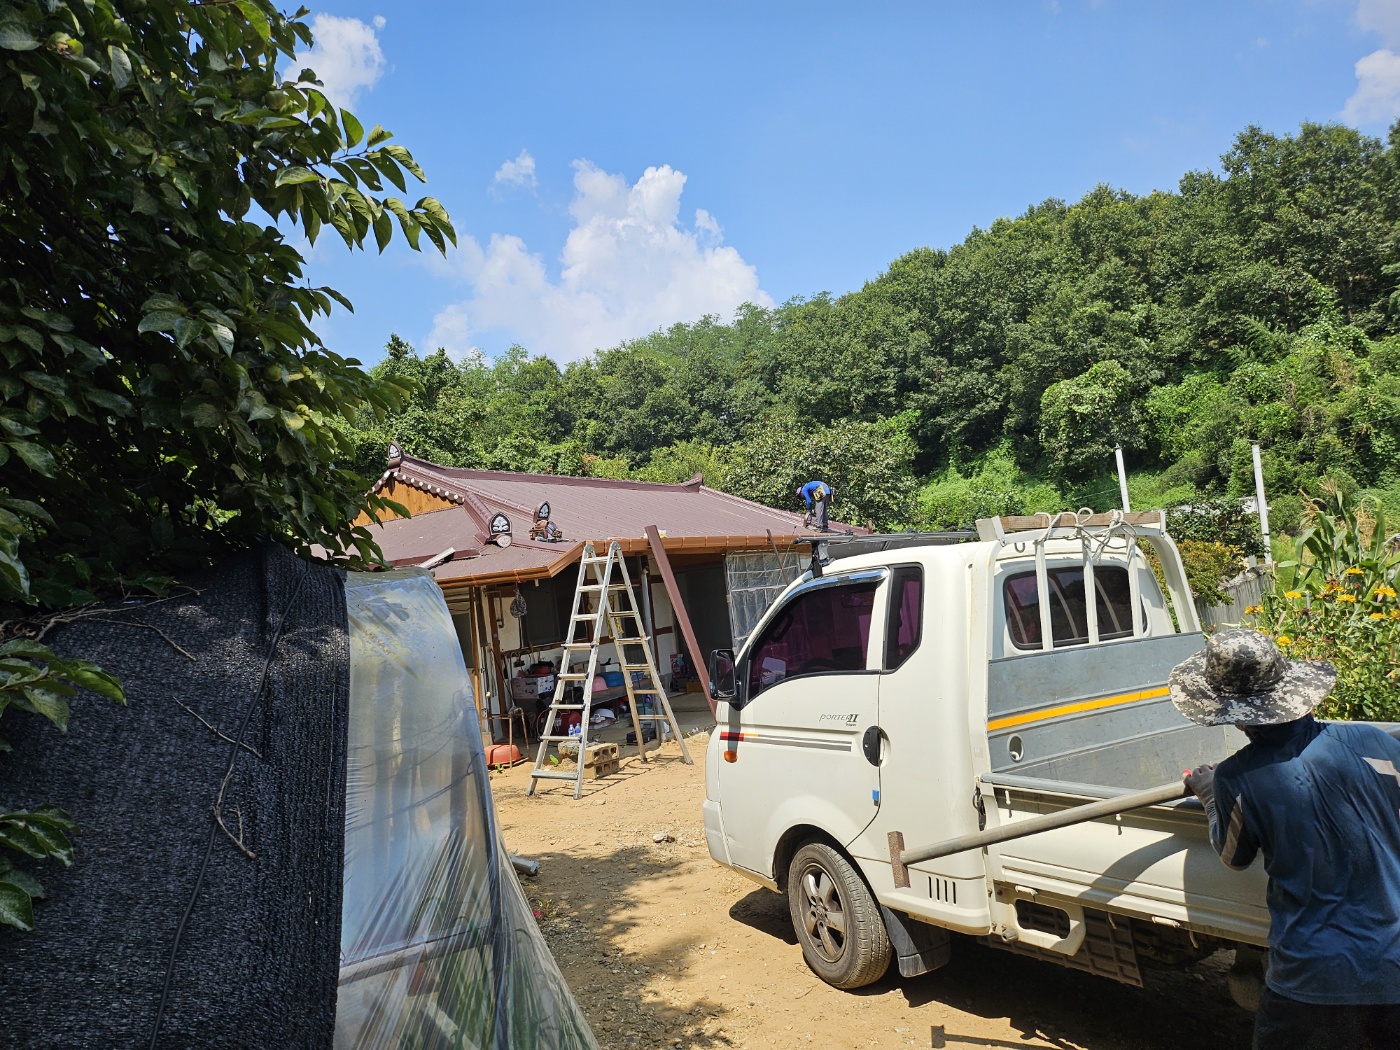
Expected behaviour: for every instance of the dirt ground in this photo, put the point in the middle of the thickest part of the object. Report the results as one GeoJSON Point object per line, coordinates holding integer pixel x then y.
{"type": "Point", "coordinates": [663, 947]}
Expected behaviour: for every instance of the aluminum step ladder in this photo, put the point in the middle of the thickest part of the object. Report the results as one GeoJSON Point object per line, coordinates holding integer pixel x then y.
{"type": "Point", "coordinates": [599, 600]}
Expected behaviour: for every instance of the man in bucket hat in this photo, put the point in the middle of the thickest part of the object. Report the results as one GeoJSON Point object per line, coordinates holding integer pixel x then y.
{"type": "Point", "coordinates": [1321, 801]}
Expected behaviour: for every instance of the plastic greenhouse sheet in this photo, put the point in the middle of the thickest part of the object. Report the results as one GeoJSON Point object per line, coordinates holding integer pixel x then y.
{"type": "Point", "coordinates": [439, 948]}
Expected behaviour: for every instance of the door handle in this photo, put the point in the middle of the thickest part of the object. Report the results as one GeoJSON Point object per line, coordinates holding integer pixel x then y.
{"type": "Point", "coordinates": [870, 744]}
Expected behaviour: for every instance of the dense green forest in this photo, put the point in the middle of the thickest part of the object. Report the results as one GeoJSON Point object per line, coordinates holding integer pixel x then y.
{"type": "Point", "coordinates": [1257, 303]}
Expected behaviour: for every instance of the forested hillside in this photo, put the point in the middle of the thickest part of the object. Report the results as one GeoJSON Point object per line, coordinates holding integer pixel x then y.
{"type": "Point", "coordinates": [1257, 303]}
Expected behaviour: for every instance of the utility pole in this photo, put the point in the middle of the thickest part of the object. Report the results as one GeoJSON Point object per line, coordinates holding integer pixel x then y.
{"type": "Point", "coordinates": [1122, 477]}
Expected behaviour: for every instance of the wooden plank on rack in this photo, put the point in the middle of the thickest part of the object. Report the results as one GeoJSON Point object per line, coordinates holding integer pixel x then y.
{"type": "Point", "coordinates": [1029, 522]}
{"type": "Point", "coordinates": [682, 618]}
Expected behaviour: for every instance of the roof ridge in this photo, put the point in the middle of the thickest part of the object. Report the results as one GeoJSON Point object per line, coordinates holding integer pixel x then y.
{"type": "Point", "coordinates": [460, 474]}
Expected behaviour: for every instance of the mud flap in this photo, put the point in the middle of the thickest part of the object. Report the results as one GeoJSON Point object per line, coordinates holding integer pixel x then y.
{"type": "Point", "coordinates": [918, 946]}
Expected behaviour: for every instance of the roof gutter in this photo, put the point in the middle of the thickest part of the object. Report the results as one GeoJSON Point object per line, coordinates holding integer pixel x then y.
{"type": "Point", "coordinates": [640, 545]}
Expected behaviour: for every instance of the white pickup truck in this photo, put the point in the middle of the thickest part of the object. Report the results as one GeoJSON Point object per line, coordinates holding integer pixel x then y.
{"type": "Point", "coordinates": [908, 690]}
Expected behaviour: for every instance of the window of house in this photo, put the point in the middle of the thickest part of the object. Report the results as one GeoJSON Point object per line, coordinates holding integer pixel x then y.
{"type": "Point", "coordinates": [823, 630]}
{"type": "Point", "coordinates": [906, 615]}
{"type": "Point", "coordinates": [1068, 611]}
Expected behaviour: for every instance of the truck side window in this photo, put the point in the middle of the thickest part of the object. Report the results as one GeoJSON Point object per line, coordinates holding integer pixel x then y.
{"type": "Point", "coordinates": [1068, 617]}
{"type": "Point", "coordinates": [906, 615]}
{"type": "Point", "coordinates": [825, 630]}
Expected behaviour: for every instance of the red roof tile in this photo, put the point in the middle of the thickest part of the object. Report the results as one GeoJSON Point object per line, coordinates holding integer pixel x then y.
{"type": "Point", "coordinates": [598, 509]}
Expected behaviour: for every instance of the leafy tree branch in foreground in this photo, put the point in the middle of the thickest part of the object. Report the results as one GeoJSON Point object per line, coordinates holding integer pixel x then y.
{"type": "Point", "coordinates": [165, 399]}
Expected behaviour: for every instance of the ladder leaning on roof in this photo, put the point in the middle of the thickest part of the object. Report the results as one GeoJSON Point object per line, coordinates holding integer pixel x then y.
{"type": "Point", "coordinates": [628, 635]}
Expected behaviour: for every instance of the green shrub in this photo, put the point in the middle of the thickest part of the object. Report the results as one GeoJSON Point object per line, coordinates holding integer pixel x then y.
{"type": "Point", "coordinates": [1218, 521]}
{"type": "Point", "coordinates": [1208, 565]}
{"type": "Point", "coordinates": [993, 486]}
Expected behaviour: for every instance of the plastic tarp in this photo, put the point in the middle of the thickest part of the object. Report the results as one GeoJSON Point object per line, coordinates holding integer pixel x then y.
{"type": "Point", "coordinates": [754, 579]}
{"type": "Point", "coordinates": [439, 947]}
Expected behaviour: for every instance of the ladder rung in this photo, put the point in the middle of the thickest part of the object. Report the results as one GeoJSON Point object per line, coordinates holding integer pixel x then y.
{"type": "Point", "coordinates": [636, 667]}
{"type": "Point", "coordinates": [566, 736]}
{"type": "Point", "coordinates": [570, 677]}
{"type": "Point", "coordinates": [566, 707]}
{"type": "Point", "coordinates": [594, 561]}
{"type": "Point", "coordinates": [631, 641]}
{"type": "Point", "coordinates": [586, 616]}
{"type": "Point", "coordinates": [553, 774]}
{"type": "Point", "coordinates": [578, 645]}
{"type": "Point", "coordinates": [657, 692]}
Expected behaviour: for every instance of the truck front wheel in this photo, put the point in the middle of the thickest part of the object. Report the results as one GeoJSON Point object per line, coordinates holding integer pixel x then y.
{"type": "Point", "coordinates": [836, 920]}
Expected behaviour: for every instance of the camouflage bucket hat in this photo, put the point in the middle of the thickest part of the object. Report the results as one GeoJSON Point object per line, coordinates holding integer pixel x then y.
{"type": "Point", "coordinates": [1240, 678]}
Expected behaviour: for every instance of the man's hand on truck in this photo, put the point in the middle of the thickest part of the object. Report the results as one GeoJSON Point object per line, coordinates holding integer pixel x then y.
{"type": "Point", "coordinates": [1201, 782]}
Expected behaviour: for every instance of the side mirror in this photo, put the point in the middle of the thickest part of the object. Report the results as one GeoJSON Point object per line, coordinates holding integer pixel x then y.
{"type": "Point", "coordinates": [722, 674]}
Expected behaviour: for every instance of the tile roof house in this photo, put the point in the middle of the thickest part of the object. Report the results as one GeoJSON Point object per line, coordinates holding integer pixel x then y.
{"type": "Point", "coordinates": [718, 544]}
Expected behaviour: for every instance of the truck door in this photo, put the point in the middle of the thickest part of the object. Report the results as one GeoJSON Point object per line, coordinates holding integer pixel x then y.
{"type": "Point", "coordinates": [793, 752]}
{"type": "Point", "coordinates": [926, 765]}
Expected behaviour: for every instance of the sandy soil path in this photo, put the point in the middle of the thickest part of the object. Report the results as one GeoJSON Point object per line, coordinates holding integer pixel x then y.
{"type": "Point", "coordinates": [665, 948]}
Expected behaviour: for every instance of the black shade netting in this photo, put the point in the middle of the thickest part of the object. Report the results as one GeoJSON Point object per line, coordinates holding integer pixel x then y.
{"type": "Point", "coordinates": [256, 909]}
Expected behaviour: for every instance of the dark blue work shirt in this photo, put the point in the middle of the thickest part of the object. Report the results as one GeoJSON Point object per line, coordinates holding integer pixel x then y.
{"type": "Point", "coordinates": [1322, 801]}
{"type": "Point", "coordinates": [813, 489]}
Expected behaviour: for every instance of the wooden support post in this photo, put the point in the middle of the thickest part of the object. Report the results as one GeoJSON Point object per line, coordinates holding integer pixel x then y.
{"type": "Point", "coordinates": [498, 667]}
{"type": "Point", "coordinates": [673, 591]}
{"type": "Point", "coordinates": [478, 697]}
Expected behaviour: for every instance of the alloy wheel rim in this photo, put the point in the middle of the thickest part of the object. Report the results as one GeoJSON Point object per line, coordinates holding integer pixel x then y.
{"type": "Point", "coordinates": [823, 913]}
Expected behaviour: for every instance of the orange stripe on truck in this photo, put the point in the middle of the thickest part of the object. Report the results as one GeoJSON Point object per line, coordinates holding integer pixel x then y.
{"type": "Point", "coordinates": [1076, 708]}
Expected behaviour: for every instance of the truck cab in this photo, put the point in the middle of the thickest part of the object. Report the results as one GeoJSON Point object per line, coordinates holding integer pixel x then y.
{"type": "Point", "coordinates": [914, 689]}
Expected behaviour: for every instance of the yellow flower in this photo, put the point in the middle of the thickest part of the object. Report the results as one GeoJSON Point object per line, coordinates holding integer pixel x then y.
{"type": "Point", "coordinates": [1253, 610]}
{"type": "Point", "coordinates": [1347, 598]}
{"type": "Point", "coordinates": [1378, 616]}
{"type": "Point", "coordinates": [1283, 639]}
{"type": "Point", "coordinates": [1330, 588]}
{"type": "Point", "coordinates": [1354, 571]}
{"type": "Point", "coordinates": [1395, 614]}
{"type": "Point", "coordinates": [1292, 594]}
{"type": "Point", "coordinates": [1384, 591]}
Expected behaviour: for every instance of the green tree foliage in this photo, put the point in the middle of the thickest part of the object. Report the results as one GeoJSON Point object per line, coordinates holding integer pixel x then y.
{"type": "Point", "coordinates": [165, 399]}
{"type": "Point", "coordinates": [1084, 418]}
{"type": "Point", "coordinates": [866, 464]}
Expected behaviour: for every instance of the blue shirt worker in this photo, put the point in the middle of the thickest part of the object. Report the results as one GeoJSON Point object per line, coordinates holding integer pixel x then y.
{"type": "Point", "coordinates": [817, 495]}
{"type": "Point", "coordinates": [1321, 802]}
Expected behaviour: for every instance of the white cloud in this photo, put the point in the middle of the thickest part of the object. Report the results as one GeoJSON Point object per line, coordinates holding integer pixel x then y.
{"type": "Point", "coordinates": [628, 267]}
{"type": "Point", "coordinates": [517, 172]}
{"type": "Point", "coordinates": [346, 57]}
{"type": "Point", "coordinates": [1377, 95]}
{"type": "Point", "coordinates": [1381, 17]}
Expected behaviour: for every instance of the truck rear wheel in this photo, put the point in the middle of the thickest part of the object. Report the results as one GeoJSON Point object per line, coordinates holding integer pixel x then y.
{"type": "Point", "coordinates": [836, 919]}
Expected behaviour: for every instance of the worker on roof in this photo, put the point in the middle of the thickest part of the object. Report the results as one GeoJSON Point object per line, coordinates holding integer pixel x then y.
{"type": "Point", "coordinates": [817, 495]}
{"type": "Point", "coordinates": [1321, 801]}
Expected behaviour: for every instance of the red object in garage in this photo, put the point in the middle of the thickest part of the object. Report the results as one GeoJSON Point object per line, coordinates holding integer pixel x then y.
{"type": "Point", "coordinates": [503, 755]}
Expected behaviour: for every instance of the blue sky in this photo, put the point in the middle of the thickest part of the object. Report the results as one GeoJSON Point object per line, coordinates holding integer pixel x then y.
{"type": "Point", "coordinates": [616, 167]}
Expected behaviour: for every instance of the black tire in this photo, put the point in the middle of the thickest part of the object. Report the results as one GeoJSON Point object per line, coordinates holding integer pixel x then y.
{"type": "Point", "coordinates": [836, 920]}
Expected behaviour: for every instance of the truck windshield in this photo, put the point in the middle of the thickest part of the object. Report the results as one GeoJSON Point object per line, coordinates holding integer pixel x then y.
{"type": "Point", "coordinates": [1068, 619]}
